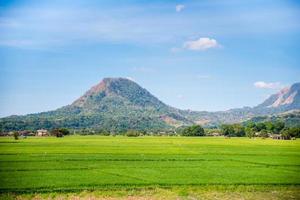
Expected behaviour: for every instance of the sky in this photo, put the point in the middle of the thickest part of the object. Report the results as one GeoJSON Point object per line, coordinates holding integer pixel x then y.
{"type": "Point", "coordinates": [201, 55]}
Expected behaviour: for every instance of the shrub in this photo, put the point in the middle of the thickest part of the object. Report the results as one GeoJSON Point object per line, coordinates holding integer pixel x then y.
{"type": "Point", "coordinates": [132, 133]}
{"type": "Point", "coordinates": [16, 135]}
{"type": "Point", "coordinates": [60, 132]}
{"type": "Point", "coordinates": [195, 130]}
{"type": "Point", "coordinates": [263, 133]}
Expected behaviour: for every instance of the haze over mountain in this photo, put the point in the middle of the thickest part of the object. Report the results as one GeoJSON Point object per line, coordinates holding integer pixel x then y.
{"type": "Point", "coordinates": [118, 104]}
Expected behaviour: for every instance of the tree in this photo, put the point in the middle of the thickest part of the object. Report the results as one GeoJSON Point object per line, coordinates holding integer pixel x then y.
{"type": "Point", "coordinates": [260, 126]}
{"type": "Point", "coordinates": [263, 133]}
{"type": "Point", "coordinates": [132, 133]}
{"type": "Point", "coordinates": [269, 127]}
{"type": "Point", "coordinates": [250, 132]}
{"type": "Point", "coordinates": [239, 130]}
{"type": "Point", "coordinates": [295, 132]}
{"type": "Point", "coordinates": [278, 126]}
{"type": "Point", "coordinates": [64, 131]}
{"type": "Point", "coordinates": [227, 130]}
{"type": "Point", "coordinates": [288, 133]}
{"type": "Point", "coordinates": [285, 133]}
{"type": "Point", "coordinates": [195, 130]}
{"type": "Point", "coordinates": [16, 135]}
{"type": "Point", "coordinates": [60, 132]}
{"type": "Point", "coordinates": [56, 132]}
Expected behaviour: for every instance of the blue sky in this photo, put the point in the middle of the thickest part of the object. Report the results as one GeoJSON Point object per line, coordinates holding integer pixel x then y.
{"type": "Point", "coordinates": [201, 55]}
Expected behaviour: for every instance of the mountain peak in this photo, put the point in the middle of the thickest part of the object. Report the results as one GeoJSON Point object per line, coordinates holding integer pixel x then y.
{"type": "Point", "coordinates": [288, 98]}
{"type": "Point", "coordinates": [122, 89]}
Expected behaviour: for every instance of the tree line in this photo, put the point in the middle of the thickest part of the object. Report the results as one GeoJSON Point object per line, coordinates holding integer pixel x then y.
{"type": "Point", "coordinates": [248, 129]}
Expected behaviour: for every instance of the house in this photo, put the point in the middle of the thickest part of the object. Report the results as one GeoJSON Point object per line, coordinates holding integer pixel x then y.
{"type": "Point", "coordinates": [215, 134]}
{"type": "Point", "coordinates": [42, 132]}
{"type": "Point", "coordinates": [276, 137]}
{"type": "Point", "coordinates": [26, 133]}
{"type": "Point", "coordinates": [281, 137]}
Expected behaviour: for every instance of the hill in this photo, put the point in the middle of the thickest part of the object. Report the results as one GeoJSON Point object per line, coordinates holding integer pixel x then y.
{"type": "Point", "coordinates": [290, 118]}
{"type": "Point", "coordinates": [119, 104]}
{"type": "Point", "coordinates": [115, 104]}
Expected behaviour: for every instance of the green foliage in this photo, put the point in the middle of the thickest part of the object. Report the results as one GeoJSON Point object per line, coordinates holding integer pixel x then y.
{"type": "Point", "coordinates": [195, 130]}
{"type": "Point", "coordinates": [60, 132]}
{"type": "Point", "coordinates": [264, 128]}
{"type": "Point", "coordinates": [291, 119]}
{"type": "Point", "coordinates": [278, 126]}
{"type": "Point", "coordinates": [210, 131]}
{"type": "Point", "coordinates": [120, 105]}
{"type": "Point", "coordinates": [260, 126]}
{"type": "Point", "coordinates": [288, 133]}
{"type": "Point", "coordinates": [233, 130]}
{"type": "Point", "coordinates": [132, 133]}
{"type": "Point", "coordinates": [16, 135]}
{"type": "Point", "coordinates": [250, 131]}
{"type": "Point", "coordinates": [263, 133]}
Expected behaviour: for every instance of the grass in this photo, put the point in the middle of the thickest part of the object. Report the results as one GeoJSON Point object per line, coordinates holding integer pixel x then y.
{"type": "Point", "coordinates": [180, 165]}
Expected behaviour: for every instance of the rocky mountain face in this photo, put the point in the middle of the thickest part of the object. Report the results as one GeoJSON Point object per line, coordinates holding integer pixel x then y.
{"type": "Point", "coordinates": [286, 99]}
{"type": "Point", "coordinates": [119, 104]}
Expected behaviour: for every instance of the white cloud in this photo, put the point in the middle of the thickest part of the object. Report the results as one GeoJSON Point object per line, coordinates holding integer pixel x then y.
{"type": "Point", "coordinates": [179, 7]}
{"type": "Point", "coordinates": [201, 44]}
{"type": "Point", "coordinates": [265, 85]}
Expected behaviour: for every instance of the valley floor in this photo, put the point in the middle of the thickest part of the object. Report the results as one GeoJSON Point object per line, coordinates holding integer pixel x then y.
{"type": "Point", "coordinates": [92, 167]}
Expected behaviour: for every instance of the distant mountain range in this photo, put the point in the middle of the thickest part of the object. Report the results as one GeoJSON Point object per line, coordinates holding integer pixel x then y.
{"type": "Point", "coordinates": [118, 104]}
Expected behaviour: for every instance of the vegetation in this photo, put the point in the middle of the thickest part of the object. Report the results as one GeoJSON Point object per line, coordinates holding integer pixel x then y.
{"type": "Point", "coordinates": [182, 192]}
{"type": "Point", "coordinates": [260, 129]}
{"type": "Point", "coordinates": [234, 130]}
{"type": "Point", "coordinates": [119, 105]}
{"type": "Point", "coordinates": [195, 130]}
{"type": "Point", "coordinates": [16, 135]}
{"type": "Point", "coordinates": [291, 119]}
{"type": "Point", "coordinates": [77, 163]}
{"type": "Point", "coordinates": [60, 132]}
{"type": "Point", "coordinates": [132, 133]}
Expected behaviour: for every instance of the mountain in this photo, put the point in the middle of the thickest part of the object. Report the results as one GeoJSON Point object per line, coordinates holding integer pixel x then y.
{"type": "Point", "coordinates": [286, 99]}
{"type": "Point", "coordinates": [290, 118]}
{"type": "Point", "coordinates": [115, 104]}
{"type": "Point", "coordinates": [119, 104]}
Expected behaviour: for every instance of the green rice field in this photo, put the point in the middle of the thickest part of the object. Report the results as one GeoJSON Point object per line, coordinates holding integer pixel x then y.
{"type": "Point", "coordinates": [105, 163]}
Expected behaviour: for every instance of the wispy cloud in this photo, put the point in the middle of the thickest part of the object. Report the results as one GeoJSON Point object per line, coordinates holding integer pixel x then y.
{"type": "Point", "coordinates": [201, 44]}
{"type": "Point", "coordinates": [265, 85]}
{"type": "Point", "coordinates": [179, 7]}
